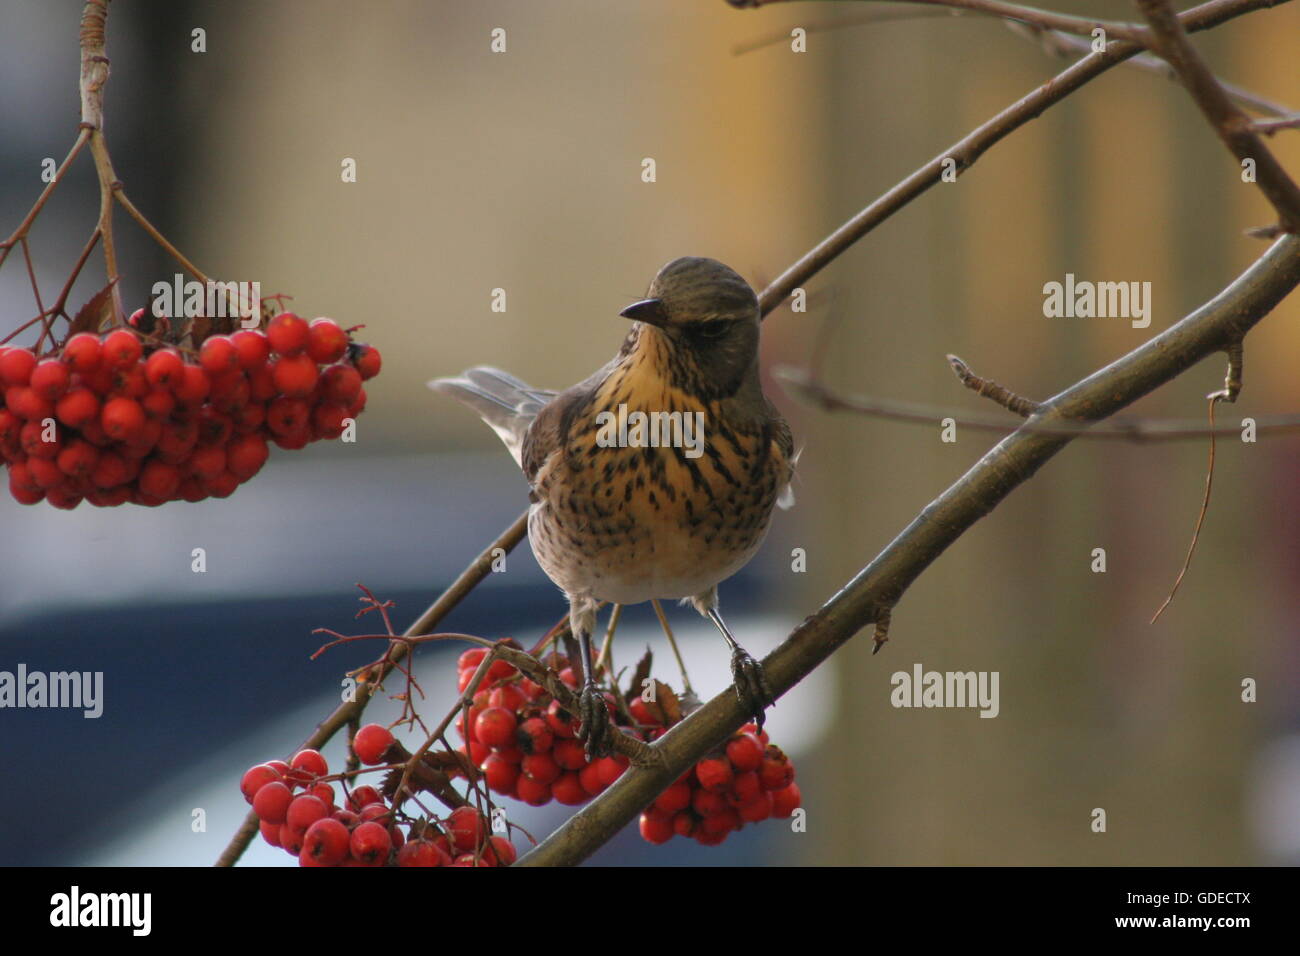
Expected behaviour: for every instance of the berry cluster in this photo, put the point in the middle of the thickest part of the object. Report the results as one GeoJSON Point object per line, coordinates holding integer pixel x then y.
{"type": "Point", "coordinates": [296, 808]}
{"type": "Point", "coordinates": [526, 745]}
{"type": "Point", "coordinates": [524, 742]}
{"type": "Point", "coordinates": [747, 781]}
{"type": "Point", "coordinates": [120, 418]}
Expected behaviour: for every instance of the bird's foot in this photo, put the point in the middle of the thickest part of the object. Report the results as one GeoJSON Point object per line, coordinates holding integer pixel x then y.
{"type": "Point", "coordinates": [752, 689]}
{"type": "Point", "coordinates": [594, 725]}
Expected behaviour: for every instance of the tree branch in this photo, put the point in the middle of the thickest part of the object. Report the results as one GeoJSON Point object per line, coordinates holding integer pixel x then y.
{"type": "Point", "coordinates": [878, 586]}
{"type": "Point", "coordinates": [1234, 127]}
{"type": "Point", "coordinates": [968, 149]}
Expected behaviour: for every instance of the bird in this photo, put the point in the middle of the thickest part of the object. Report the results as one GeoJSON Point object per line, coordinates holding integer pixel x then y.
{"type": "Point", "coordinates": [656, 476]}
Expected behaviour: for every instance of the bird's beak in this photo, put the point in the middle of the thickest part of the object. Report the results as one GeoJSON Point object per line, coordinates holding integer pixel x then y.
{"type": "Point", "coordinates": [649, 311]}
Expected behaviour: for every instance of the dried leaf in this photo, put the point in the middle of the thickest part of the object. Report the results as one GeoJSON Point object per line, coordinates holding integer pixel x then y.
{"type": "Point", "coordinates": [96, 313]}
{"type": "Point", "coordinates": [640, 674]}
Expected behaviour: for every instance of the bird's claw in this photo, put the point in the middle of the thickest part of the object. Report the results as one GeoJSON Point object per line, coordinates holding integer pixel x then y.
{"type": "Point", "coordinates": [752, 689]}
{"type": "Point", "coordinates": [594, 726]}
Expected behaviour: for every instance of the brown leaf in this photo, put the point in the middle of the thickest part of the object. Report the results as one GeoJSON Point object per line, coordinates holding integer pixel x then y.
{"type": "Point", "coordinates": [666, 697]}
{"type": "Point", "coordinates": [640, 674]}
{"type": "Point", "coordinates": [96, 313]}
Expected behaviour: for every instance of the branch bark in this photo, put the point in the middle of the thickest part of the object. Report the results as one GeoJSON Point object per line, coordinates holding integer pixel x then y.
{"type": "Point", "coordinates": [877, 587]}
{"type": "Point", "coordinates": [970, 147]}
{"type": "Point", "coordinates": [1234, 127]}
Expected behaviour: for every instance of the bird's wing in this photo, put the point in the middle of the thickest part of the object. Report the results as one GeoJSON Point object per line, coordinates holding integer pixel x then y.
{"type": "Point", "coordinates": [508, 405]}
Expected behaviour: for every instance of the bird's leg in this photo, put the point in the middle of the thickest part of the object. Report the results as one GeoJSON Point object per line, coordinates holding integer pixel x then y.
{"type": "Point", "coordinates": [594, 725]}
{"type": "Point", "coordinates": [751, 683]}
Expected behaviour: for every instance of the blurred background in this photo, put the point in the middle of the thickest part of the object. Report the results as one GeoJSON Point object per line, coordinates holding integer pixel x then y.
{"type": "Point", "coordinates": [522, 171]}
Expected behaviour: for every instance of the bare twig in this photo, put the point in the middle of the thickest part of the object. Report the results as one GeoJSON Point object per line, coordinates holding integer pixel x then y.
{"type": "Point", "coordinates": [970, 147]}
{"type": "Point", "coordinates": [1060, 44]}
{"type": "Point", "coordinates": [1138, 430]}
{"type": "Point", "coordinates": [1233, 126]}
{"type": "Point", "coordinates": [987, 388]}
{"type": "Point", "coordinates": [1047, 19]}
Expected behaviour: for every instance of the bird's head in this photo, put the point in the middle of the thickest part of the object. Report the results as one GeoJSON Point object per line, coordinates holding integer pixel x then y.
{"type": "Point", "coordinates": [709, 316]}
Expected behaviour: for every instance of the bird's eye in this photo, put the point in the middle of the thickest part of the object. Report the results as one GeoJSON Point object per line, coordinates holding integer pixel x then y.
{"type": "Point", "coordinates": [711, 330]}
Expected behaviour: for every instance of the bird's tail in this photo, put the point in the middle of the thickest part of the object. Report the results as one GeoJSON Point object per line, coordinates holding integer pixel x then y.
{"type": "Point", "coordinates": [503, 401]}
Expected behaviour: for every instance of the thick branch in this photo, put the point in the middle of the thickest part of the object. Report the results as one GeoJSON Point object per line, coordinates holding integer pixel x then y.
{"type": "Point", "coordinates": [878, 586]}
{"type": "Point", "coordinates": [1234, 127]}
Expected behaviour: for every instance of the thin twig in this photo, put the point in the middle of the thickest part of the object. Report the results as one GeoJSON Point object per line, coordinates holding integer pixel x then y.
{"type": "Point", "coordinates": [987, 388]}
{"type": "Point", "coordinates": [969, 148]}
{"type": "Point", "coordinates": [1234, 127]}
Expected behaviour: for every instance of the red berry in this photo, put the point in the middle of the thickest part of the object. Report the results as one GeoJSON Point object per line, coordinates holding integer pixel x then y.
{"type": "Point", "coordinates": [366, 359]}
{"type": "Point", "coordinates": [714, 773]}
{"type": "Point", "coordinates": [288, 416]}
{"type": "Point", "coordinates": [326, 843]}
{"type": "Point", "coordinates": [776, 772]}
{"type": "Point", "coordinates": [26, 403]}
{"type": "Point", "coordinates": [218, 354]}
{"type": "Point", "coordinates": [786, 800]}
{"type": "Point", "coordinates": [675, 798]}
{"type": "Point", "coordinates": [532, 792]}
{"type": "Point", "coordinates": [471, 658]}
{"type": "Point", "coordinates": [568, 790]}
{"type": "Point", "coordinates": [291, 839]}
{"type": "Point", "coordinates": [163, 368]}
{"type": "Point", "coordinates": [745, 787]}
{"type": "Point", "coordinates": [192, 385]}
{"type": "Point", "coordinates": [589, 777]}
{"type": "Point", "coordinates": [495, 727]}
{"type": "Point", "coordinates": [295, 375]}
{"type": "Point", "coordinates": [287, 333]}
{"type": "Point", "coordinates": [611, 768]}
{"type": "Point", "coordinates": [112, 470]}
{"type": "Point", "coordinates": [535, 736]}
{"type": "Point", "coordinates": [342, 383]}
{"type": "Point", "coordinates": [364, 796]}
{"type": "Point", "coordinates": [760, 808]}
{"type": "Point", "coordinates": [501, 774]}
{"type": "Point", "coordinates": [656, 827]}
{"type": "Point", "coordinates": [270, 832]}
{"type": "Point", "coordinates": [326, 342]}
{"type": "Point", "coordinates": [371, 843]}
{"type": "Point", "coordinates": [159, 479]}
{"type": "Point", "coordinates": [246, 455]}
{"type": "Point", "coordinates": [50, 379]}
{"type": "Point", "coordinates": [271, 802]}
{"type": "Point", "coordinates": [304, 810]}
{"type": "Point", "coordinates": [77, 407]}
{"type": "Point", "coordinates": [561, 722]}
{"type": "Point", "coordinates": [257, 777]}
{"type": "Point", "coordinates": [16, 366]}
{"type": "Point", "coordinates": [745, 752]}
{"type": "Point", "coordinates": [32, 437]}
{"type": "Point", "coordinates": [500, 851]}
{"type": "Point", "coordinates": [253, 348]}
{"type": "Point", "coordinates": [465, 827]}
{"type": "Point", "coordinates": [78, 458]}
{"type": "Point", "coordinates": [371, 743]}
{"type": "Point", "coordinates": [722, 822]}
{"type": "Point", "coordinates": [82, 352]}
{"type": "Point", "coordinates": [306, 765]}
{"type": "Point", "coordinates": [706, 802]}
{"type": "Point", "coordinates": [569, 754]}
{"type": "Point", "coordinates": [207, 461]}
{"type": "Point", "coordinates": [422, 853]}
{"type": "Point", "coordinates": [540, 767]}
{"type": "Point", "coordinates": [122, 418]}
{"type": "Point", "coordinates": [121, 348]}
{"type": "Point", "coordinates": [329, 419]}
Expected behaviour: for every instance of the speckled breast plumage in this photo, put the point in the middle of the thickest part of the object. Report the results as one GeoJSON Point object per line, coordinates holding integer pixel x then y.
{"type": "Point", "coordinates": [627, 524]}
